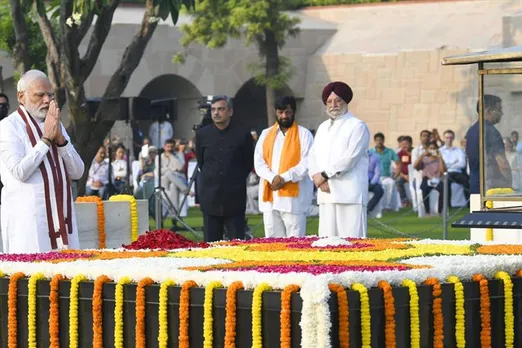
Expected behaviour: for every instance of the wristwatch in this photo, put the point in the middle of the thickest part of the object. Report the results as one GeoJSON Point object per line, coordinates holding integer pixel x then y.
{"type": "Point", "coordinates": [64, 143]}
{"type": "Point", "coordinates": [324, 175]}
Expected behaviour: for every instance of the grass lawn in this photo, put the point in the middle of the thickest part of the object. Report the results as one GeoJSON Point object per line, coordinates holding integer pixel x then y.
{"type": "Point", "coordinates": [405, 221]}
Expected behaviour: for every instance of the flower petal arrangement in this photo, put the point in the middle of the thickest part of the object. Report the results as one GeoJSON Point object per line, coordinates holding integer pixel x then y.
{"type": "Point", "coordinates": [316, 270]}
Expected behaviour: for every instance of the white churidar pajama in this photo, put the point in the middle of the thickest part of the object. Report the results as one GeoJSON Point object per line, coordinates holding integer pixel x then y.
{"type": "Point", "coordinates": [285, 216]}
{"type": "Point", "coordinates": [280, 224]}
{"type": "Point", "coordinates": [24, 219]}
{"type": "Point", "coordinates": [333, 222]}
{"type": "Point", "coordinates": [340, 149]}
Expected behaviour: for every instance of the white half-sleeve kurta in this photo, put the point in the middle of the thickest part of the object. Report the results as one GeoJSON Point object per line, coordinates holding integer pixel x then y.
{"type": "Point", "coordinates": [299, 173]}
{"type": "Point", "coordinates": [24, 219]}
{"type": "Point", "coordinates": [340, 149]}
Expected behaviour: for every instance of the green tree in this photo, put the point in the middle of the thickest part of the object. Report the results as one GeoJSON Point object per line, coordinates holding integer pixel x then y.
{"type": "Point", "coordinates": [261, 21]}
{"type": "Point", "coordinates": [37, 48]}
{"type": "Point", "coordinates": [68, 68]}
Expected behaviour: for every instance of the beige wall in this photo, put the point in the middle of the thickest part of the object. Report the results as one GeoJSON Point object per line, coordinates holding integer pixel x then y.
{"type": "Point", "coordinates": [398, 94]}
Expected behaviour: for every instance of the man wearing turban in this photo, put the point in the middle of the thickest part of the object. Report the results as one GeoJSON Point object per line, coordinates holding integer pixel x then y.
{"type": "Point", "coordinates": [338, 165]}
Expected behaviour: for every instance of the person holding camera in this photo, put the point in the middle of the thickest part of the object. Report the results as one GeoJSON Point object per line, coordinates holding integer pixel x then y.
{"type": "Point", "coordinates": [225, 155]}
{"type": "Point", "coordinates": [432, 166]}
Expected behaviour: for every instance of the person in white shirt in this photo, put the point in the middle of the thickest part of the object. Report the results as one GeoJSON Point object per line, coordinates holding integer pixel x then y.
{"type": "Point", "coordinates": [338, 165]}
{"type": "Point", "coordinates": [98, 178]}
{"type": "Point", "coordinates": [172, 175]}
{"type": "Point", "coordinates": [159, 133]}
{"type": "Point", "coordinates": [37, 164]}
{"type": "Point", "coordinates": [456, 164]}
{"type": "Point", "coordinates": [281, 161]}
{"type": "Point", "coordinates": [425, 137]}
{"type": "Point", "coordinates": [119, 169]}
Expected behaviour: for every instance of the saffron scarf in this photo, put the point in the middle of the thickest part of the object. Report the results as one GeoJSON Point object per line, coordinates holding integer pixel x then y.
{"type": "Point", "coordinates": [57, 186]}
{"type": "Point", "coordinates": [290, 157]}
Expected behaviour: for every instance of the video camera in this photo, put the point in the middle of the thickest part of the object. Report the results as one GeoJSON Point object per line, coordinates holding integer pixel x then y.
{"type": "Point", "coordinates": [204, 110]}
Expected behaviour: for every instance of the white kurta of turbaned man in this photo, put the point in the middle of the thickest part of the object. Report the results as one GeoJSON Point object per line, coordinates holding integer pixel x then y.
{"type": "Point", "coordinates": [24, 220]}
{"type": "Point", "coordinates": [299, 173]}
{"type": "Point", "coordinates": [339, 149]}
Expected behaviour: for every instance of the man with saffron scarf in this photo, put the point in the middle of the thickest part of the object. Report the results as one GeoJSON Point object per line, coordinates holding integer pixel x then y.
{"type": "Point", "coordinates": [338, 165]}
{"type": "Point", "coordinates": [281, 160]}
{"type": "Point", "coordinates": [37, 162]}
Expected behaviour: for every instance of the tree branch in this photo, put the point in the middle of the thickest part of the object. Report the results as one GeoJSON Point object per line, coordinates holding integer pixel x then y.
{"type": "Point", "coordinates": [84, 28]}
{"type": "Point", "coordinates": [20, 49]}
{"type": "Point", "coordinates": [133, 54]}
{"type": "Point", "coordinates": [47, 32]}
{"type": "Point", "coordinates": [97, 39]}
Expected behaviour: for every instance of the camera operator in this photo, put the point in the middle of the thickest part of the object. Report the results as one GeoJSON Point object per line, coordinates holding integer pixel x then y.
{"type": "Point", "coordinates": [225, 155]}
{"type": "Point", "coordinates": [4, 111]}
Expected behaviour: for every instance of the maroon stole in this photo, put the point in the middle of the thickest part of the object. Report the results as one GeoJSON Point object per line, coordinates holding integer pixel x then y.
{"type": "Point", "coordinates": [55, 163]}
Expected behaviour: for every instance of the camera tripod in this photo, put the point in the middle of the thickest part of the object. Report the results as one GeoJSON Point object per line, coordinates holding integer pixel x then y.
{"type": "Point", "coordinates": [162, 199]}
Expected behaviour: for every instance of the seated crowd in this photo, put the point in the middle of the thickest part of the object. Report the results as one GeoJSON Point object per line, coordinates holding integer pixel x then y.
{"type": "Point", "coordinates": [406, 176]}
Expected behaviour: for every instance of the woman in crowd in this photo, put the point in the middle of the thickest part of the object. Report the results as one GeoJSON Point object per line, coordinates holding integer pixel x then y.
{"type": "Point", "coordinates": [432, 166]}
{"type": "Point", "coordinates": [119, 169]}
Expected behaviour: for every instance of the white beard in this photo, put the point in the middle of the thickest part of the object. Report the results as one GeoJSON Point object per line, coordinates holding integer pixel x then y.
{"type": "Point", "coordinates": [39, 114]}
{"type": "Point", "coordinates": [333, 114]}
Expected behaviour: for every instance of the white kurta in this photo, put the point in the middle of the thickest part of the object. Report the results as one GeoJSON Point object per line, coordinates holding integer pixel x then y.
{"type": "Point", "coordinates": [299, 205]}
{"type": "Point", "coordinates": [24, 219]}
{"type": "Point", "coordinates": [340, 149]}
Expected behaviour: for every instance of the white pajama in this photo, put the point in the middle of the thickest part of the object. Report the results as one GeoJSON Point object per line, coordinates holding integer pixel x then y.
{"type": "Point", "coordinates": [388, 186]}
{"type": "Point", "coordinates": [279, 224]}
{"type": "Point", "coordinates": [342, 220]}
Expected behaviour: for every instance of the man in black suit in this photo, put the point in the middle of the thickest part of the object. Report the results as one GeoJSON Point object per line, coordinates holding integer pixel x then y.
{"type": "Point", "coordinates": [225, 155]}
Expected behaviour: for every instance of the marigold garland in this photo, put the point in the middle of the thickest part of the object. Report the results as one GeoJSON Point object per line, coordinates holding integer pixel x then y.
{"type": "Point", "coordinates": [509, 318]}
{"type": "Point", "coordinates": [73, 310]}
{"type": "Point", "coordinates": [184, 314]}
{"type": "Point", "coordinates": [438, 317]}
{"type": "Point", "coordinates": [118, 312]}
{"type": "Point", "coordinates": [100, 209]}
{"type": "Point", "coordinates": [231, 314]}
{"type": "Point", "coordinates": [208, 318]}
{"type": "Point", "coordinates": [12, 323]}
{"type": "Point", "coordinates": [97, 311]}
{"type": "Point", "coordinates": [54, 313]}
{"type": "Point", "coordinates": [344, 323]}
{"type": "Point", "coordinates": [141, 340]}
{"type": "Point", "coordinates": [414, 313]}
{"type": "Point", "coordinates": [460, 328]}
{"type": "Point", "coordinates": [389, 314]}
{"type": "Point", "coordinates": [485, 311]}
{"type": "Point", "coordinates": [366, 325]}
{"type": "Point", "coordinates": [285, 316]}
{"type": "Point", "coordinates": [257, 314]}
{"type": "Point", "coordinates": [133, 212]}
{"type": "Point", "coordinates": [31, 308]}
{"type": "Point", "coordinates": [163, 335]}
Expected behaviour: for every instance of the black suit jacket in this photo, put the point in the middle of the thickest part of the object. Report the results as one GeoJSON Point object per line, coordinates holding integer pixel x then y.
{"type": "Point", "coordinates": [225, 159]}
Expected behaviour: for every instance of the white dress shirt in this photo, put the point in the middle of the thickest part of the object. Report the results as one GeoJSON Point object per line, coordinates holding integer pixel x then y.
{"type": "Point", "coordinates": [119, 169]}
{"type": "Point", "coordinates": [454, 159]}
{"type": "Point", "coordinates": [340, 149]}
{"type": "Point", "coordinates": [299, 173]}
{"type": "Point", "coordinates": [98, 172]}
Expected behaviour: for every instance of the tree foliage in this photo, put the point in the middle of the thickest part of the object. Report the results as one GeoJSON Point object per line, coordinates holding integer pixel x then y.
{"type": "Point", "coordinates": [263, 22]}
{"type": "Point", "coordinates": [37, 48]}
